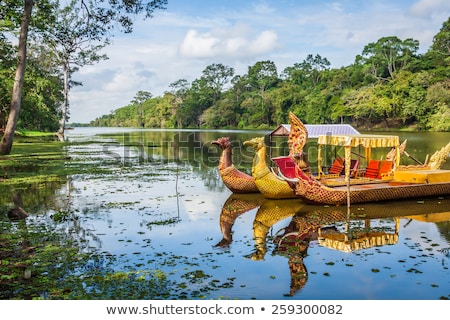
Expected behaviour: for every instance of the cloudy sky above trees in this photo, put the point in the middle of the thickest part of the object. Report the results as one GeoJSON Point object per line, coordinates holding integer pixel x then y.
{"type": "Point", "coordinates": [180, 42]}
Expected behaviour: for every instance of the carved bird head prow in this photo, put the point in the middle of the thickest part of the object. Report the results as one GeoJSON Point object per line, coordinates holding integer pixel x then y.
{"type": "Point", "coordinates": [223, 142]}
{"type": "Point", "coordinates": [255, 143]}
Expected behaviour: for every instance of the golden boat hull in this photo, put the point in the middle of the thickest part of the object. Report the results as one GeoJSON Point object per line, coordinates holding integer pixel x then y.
{"type": "Point", "coordinates": [272, 187]}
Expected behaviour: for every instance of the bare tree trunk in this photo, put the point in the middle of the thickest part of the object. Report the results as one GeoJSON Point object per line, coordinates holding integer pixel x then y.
{"type": "Point", "coordinates": [65, 107]}
{"type": "Point", "coordinates": [8, 136]}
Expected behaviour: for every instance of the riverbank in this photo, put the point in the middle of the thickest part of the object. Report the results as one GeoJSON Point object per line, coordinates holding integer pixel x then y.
{"type": "Point", "coordinates": [391, 124]}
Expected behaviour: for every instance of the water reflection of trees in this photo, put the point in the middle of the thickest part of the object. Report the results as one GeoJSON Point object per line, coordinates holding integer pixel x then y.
{"type": "Point", "coordinates": [188, 149]}
{"type": "Point", "coordinates": [48, 246]}
{"type": "Point", "coordinates": [54, 254]}
{"type": "Point", "coordinates": [444, 229]}
{"type": "Point", "coordinates": [33, 195]}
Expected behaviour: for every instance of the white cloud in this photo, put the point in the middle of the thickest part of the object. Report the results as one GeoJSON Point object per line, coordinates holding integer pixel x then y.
{"type": "Point", "coordinates": [122, 81]}
{"type": "Point", "coordinates": [222, 43]}
{"type": "Point", "coordinates": [176, 45]}
{"type": "Point", "coordinates": [429, 8]}
{"type": "Point", "coordinates": [266, 41]}
{"type": "Point", "coordinates": [263, 8]}
{"type": "Point", "coordinates": [198, 45]}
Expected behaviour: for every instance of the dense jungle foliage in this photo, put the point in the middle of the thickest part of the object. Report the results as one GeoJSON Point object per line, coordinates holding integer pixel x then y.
{"type": "Point", "coordinates": [389, 85]}
{"type": "Point", "coordinates": [54, 39]}
{"type": "Point", "coordinates": [42, 94]}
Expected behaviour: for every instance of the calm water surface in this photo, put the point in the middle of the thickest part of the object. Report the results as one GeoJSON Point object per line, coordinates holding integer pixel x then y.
{"type": "Point", "coordinates": [165, 207]}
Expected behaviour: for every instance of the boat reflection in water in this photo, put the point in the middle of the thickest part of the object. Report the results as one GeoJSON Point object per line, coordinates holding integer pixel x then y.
{"type": "Point", "coordinates": [236, 205]}
{"type": "Point", "coordinates": [269, 213]}
{"type": "Point", "coordinates": [347, 229]}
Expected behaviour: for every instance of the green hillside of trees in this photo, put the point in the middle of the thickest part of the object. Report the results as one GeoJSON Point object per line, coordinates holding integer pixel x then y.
{"type": "Point", "coordinates": [389, 85]}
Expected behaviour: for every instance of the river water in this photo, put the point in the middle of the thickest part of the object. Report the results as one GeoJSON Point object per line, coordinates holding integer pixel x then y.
{"type": "Point", "coordinates": [158, 202]}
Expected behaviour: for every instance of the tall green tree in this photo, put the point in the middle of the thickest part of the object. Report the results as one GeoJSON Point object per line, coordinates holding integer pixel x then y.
{"type": "Point", "coordinates": [178, 91]}
{"type": "Point", "coordinates": [314, 67]}
{"type": "Point", "coordinates": [388, 55]}
{"type": "Point", "coordinates": [198, 98]}
{"type": "Point", "coordinates": [216, 76]}
{"type": "Point", "coordinates": [441, 41]}
{"type": "Point", "coordinates": [7, 63]}
{"type": "Point", "coordinates": [109, 14]}
{"type": "Point", "coordinates": [139, 99]}
{"type": "Point", "coordinates": [42, 91]}
{"type": "Point", "coordinates": [74, 41]}
{"type": "Point", "coordinates": [438, 96]}
{"type": "Point", "coordinates": [309, 71]}
{"type": "Point", "coordinates": [8, 134]}
{"type": "Point", "coordinates": [262, 76]}
{"type": "Point", "coordinates": [437, 57]}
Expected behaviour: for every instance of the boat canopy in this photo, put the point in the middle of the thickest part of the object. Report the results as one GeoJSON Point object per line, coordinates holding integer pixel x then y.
{"type": "Point", "coordinates": [365, 140]}
{"type": "Point", "coordinates": [368, 141]}
{"type": "Point", "coordinates": [315, 130]}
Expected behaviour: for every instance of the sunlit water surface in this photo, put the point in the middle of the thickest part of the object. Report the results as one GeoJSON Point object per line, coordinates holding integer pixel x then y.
{"type": "Point", "coordinates": [161, 208]}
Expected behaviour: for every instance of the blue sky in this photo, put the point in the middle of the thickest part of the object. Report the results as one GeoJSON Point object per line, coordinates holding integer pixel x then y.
{"type": "Point", "coordinates": [180, 42]}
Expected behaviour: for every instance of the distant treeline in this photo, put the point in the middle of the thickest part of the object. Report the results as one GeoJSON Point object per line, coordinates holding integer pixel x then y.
{"type": "Point", "coordinates": [389, 85]}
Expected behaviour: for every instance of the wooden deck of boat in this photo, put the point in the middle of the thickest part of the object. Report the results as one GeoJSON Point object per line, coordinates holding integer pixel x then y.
{"type": "Point", "coordinates": [372, 185]}
{"type": "Point", "coordinates": [362, 184]}
{"type": "Point", "coordinates": [401, 178]}
{"type": "Point", "coordinates": [339, 181]}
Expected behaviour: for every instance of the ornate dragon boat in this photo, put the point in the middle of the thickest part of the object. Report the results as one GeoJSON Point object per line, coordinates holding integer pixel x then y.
{"type": "Point", "coordinates": [234, 179]}
{"type": "Point", "coordinates": [378, 180]}
{"type": "Point", "coordinates": [267, 181]}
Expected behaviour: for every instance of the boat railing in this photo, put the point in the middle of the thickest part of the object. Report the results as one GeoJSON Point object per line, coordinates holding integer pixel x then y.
{"type": "Point", "coordinates": [413, 167]}
{"type": "Point", "coordinates": [328, 176]}
{"type": "Point", "coordinates": [340, 181]}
